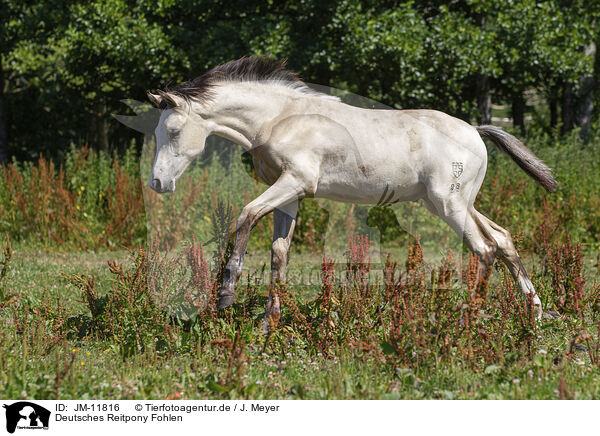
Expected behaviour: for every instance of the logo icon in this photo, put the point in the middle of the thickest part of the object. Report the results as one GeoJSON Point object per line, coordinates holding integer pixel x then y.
{"type": "Point", "coordinates": [457, 169]}
{"type": "Point", "coordinates": [26, 415]}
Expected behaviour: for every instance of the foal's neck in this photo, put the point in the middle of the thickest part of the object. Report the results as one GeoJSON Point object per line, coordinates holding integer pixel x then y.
{"type": "Point", "coordinates": [240, 111]}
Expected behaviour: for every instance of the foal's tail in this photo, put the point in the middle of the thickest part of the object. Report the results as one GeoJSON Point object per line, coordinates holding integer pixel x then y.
{"type": "Point", "coordinates": [522, 156]}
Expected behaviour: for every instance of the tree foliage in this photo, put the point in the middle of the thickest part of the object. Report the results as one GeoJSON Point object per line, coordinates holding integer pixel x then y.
{"type": "Point", "coordinates": [66, 64]}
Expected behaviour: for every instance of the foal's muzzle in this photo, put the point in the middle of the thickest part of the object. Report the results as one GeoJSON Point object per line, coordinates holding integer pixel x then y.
{"type": "Point", "coordinates": [159, 187]}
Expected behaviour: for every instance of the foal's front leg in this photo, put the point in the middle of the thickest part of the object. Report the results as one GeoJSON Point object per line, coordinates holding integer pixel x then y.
{"type": "Point", "coordinates": [285, 190]}
{"type": "Point", "coordinates": [284, 221]}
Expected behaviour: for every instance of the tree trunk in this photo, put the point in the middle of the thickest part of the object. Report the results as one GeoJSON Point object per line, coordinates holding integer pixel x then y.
{"type": "Point", "coordinates": [553, 104]}
{"type": "Point", "coordinates": [587, 84]}
{"type": "Point", "coordinates": [518, 111]}
{"type": "Point", "coordinates": [101, 125]}
{"type": "Point", "coordinates": [482, 84]}
{"type": "Point", "coordinates": [484, 100]}
{"type": "Point", "coordinates": [3, 132]}
{"type": "Point", "coordinates": [567, 108]}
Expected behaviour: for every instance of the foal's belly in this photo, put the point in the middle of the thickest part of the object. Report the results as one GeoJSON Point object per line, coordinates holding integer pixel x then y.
{"type": "Point", "coordinates": [382, 196]}
{"type": "Point", "coordinates": [370, 189]}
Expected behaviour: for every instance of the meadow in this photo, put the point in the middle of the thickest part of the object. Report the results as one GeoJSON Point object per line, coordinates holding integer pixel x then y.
{"type": "Point", "coordinates": [107, 290]}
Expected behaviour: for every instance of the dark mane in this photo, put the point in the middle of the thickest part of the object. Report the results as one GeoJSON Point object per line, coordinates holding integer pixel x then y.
{"type": "Point", "coordinates": [246, 69]}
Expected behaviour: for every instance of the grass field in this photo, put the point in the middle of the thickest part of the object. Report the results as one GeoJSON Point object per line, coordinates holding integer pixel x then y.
{"type": "Point", "coordinates": [81, 318]}
{"type": "Point", "coordinates": [44, 354]}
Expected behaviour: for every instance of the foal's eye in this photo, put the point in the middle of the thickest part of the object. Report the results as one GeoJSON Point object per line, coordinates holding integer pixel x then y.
{"type": "Point", "coordinates": [173, 148]}
{"type": "Point", "coordinates": [173, 134]}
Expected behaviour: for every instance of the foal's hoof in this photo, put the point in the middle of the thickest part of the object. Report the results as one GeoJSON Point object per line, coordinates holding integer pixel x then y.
{"type": "Point", "coordinates": [225, 301]}
{"type": "Point", "coordinates": [551, 314]}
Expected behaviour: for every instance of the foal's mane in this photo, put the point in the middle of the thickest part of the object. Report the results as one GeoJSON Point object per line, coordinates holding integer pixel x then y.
{"type": "Point", "coordinates": [245, 69]}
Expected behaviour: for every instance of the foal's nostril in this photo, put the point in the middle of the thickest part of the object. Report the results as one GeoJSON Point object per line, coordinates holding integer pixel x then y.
{"type": "Point", "coordinates": [155, 185]}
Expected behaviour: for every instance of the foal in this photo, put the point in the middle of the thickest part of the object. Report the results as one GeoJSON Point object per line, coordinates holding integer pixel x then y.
{"type": "Point", "coordinates": [307, 144]}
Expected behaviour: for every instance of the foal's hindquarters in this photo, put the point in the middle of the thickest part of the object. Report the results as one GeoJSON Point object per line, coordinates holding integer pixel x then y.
{"type": "Point", "coordinates": [451, 196]}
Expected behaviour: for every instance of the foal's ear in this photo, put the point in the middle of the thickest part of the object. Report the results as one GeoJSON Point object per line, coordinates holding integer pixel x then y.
{"type": "Point", "coordinates": [168, 99]}
{"type": "Point", "coordinates": [155, 99]}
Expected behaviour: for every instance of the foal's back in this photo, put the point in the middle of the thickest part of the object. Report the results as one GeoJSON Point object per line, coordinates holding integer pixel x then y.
{"type": "Point", "coordinates": [372, 156]}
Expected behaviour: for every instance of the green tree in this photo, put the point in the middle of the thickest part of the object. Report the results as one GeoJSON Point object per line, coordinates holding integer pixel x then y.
{"type": "Point", "coordinates": [66, 64]}
{"type": "Point", "coordinates": [540, 47]}
{"type": "Point", "coordinates": [78, 65]}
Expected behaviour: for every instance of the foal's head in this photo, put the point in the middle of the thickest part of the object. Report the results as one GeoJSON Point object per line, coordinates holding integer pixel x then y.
{"type": "Point", "coordinates": [181, 131]}
{"type": "Point", "coordinates": [180, 138]}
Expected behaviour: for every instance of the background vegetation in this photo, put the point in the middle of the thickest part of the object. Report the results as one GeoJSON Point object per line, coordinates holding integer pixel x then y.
{"type": "Point", "coordinates": [65, 65]}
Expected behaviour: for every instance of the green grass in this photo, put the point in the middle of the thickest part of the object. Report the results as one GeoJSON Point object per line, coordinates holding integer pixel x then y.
{"type": "Point", "coordinates": [201, 365]}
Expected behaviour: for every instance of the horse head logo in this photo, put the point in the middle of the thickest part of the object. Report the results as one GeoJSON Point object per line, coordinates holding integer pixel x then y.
{"type": "Point", "coordinates": [28, 414]}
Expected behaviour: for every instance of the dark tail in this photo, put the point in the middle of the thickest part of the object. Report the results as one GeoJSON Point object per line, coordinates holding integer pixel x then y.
{"type": "Point", "coordinates": [522, 156]}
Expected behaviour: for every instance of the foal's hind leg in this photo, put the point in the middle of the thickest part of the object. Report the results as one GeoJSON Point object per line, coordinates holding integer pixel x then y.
{"type": "Point", "coordinates": [284, 221]}
{"type": "Point", "coordinates": [508, 254]}
{"type": "Point", "coordinates": [464, 221]}
{"type": "Point", "coordinates": [484, 238]}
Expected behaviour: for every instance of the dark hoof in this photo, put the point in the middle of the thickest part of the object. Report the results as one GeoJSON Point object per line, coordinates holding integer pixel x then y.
{"type": "Point", "coordinates": [225, 301]}
{"type": "Point", "coordinates": [551, 314]}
